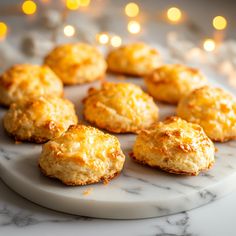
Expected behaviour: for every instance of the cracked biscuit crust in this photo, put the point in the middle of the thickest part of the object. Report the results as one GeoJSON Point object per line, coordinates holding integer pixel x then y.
{"type": "Point", "coordinates": [175, 146]}
{"type": "Point", "coordinates": [25, 80]}
{"type": "Point", "coordinates": [137, 59]}
{"type": "Point", "coordinates": [39, 119]}
{"type": "Point", "coordinates": [76, 63]}
{"type": "Point", "coordinates": [120, 108]}
{"type": "Point", "coordinates": [169, 83]}
{"type": "Point", "coordinates": [82, 155]}
{"type": "Point", "coordinates": [212, 108]}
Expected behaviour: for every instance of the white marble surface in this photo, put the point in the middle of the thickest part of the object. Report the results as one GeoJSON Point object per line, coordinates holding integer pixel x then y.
{"type": "Point", "coordinates": [139, 192]}
{"type": "Point", "coordinates": [21, 217]}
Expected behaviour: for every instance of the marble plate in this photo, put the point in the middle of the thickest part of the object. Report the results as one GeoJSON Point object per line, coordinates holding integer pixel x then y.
{"type": "Point", "coordinates": [139, 192]}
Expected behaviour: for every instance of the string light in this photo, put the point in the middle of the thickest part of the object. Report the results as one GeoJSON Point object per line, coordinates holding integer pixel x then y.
{"type": "Point", "coordinates": [116, 41]}
{"type": "Point", "coordinates": [103, 38]}
{"type": "Point", "coordinates": [134, 27]}
{"type": "Point", "coordinates": [209, 45]}
{"type": "Point", "coordinates": [84, 3]}
{"type": "Point", "coordinates": [219, 22]}
{"type": "Point", "coordinates": [29, 7]}
{"type": "Point", "coordinates": [3, 30]}
{"type": "Point", "coordinates": [72, 4]}
{"type": "Point", "coordinates": [174, 14]}
{"type": "Point", "coordinates": [69, 30]}
{"type": "Point", "coordinates": [131, 9]}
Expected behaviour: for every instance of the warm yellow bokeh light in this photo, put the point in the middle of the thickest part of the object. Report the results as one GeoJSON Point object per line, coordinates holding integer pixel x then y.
{"type": "Point", "coordinates": [103, 38]}
{"type": "Point", "coordinates": [134, 27]}
{"type": "Point", "coordinates": [219, 22]}
{"type": "Point", "coordinates": [174, 14]}
{"type": "Point", "coordinates": [131, 9]}
{"type": "Point", "coordinates": [116, 41]}
{"type": "Point", "coordinates": [84, 3]}
{"type": "Point", "coordinates": [3, 30]}
{"type": "Point", "coordinates": [209, 45]}
{"type": "Point", "coordinates": [72, 4]}
{"type": "Point", "coordinates": [69, 30]}
{"type": "Point", "coordinates": [29, 7]}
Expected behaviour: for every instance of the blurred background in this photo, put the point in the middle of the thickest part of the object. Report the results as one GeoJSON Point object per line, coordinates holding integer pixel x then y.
{"type": "Point", "coordinates": [200, 33]}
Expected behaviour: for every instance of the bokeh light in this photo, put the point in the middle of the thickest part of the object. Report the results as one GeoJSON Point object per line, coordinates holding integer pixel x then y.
{"type": "Point", "coordinates": [103, 38]}
{"type": "Point", "coordinates": [29, 7]}
{"type": "Point", "coordinates": [219, 22]}
{"type": "Point", "coordinates": [134, 27]}
{"type": "Point", "coordinates": [116, 41]}
{"type": "Point", "coordinates": [72, 4]}
{"type": "Point", "coordinates": [131, 9]}
{"type": "Point", "coordinates": [69, 30]}
{"type": "Point", "coordinates": [3, 30]}
{"type": "Point", "coordinates": [209, 45]}
{"type": "Point", "coordinates": [174, 14]}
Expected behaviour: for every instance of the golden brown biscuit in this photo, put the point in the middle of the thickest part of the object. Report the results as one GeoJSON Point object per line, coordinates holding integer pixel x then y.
{"type": "Point", "coordinates": [212, 108]}
{"type": "Point", "coordinates": [25, 80]}
{"type": "Point", "coordinates": [82, 155]}
{"type": "Point", "coordinates": [39, 119]}
{"type": "Point", "coordinates": [120, 108]}
{"type": "Point", "coordinates": [76, 63]}
{"type": "Point", "coordinates": [175, 146]}
{"type": "Point", "coordinates": [136, 59]}
{"type": "Point", "coordinates": [169, 83]}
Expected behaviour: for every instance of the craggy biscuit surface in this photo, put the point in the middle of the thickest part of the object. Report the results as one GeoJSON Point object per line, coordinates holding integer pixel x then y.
{"type": "Point", "coordinates": [120, 108]}
{"type": "Point", "coordinates": [82, 155]}
{"type": "Point", "coordinates": [136, 59]}
{"type": "Point", "coordinates": [170, 83]}
{"type": "Point", "coordinates": [76, 63]}
{"type": "Point", "coordinates": [25, 80]}
{"type": "Point", "coordinates": [175, 146]}
{"type": "Point", "coordinates": [212, 108]}
{"type": "Point", "coordinates": [39, 119]}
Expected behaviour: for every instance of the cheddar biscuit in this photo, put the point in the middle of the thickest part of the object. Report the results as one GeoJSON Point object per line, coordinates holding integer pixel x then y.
{"type": "Point", "coordinates": [136, 59]}
{"type": "Point", "coordinates": [76, 63]}
{"type": "Point", "coordinates": [82, 155]}
{"type": "Point", "coordinates": [169, 83]}
{"type": "Point", "coordinates": [25, 80]}
{"type": "Point", "coordinates": [212, 108]}
{"type": "Point", "coordinates": [39, 119]}
{"type": "Point", "coordinates": [175, 146]}
{"type": "Point", "coordinates": [120, 108]}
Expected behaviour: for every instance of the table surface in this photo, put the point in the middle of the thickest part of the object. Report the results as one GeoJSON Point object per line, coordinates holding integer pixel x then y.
{"type": "Point", "coordinates": [21, 217]}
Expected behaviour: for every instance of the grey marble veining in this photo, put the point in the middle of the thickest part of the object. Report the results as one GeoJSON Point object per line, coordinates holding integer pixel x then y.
{"type": "Point", "coordinates": [21, 217]}
{"type": "Point", "coordinates": [17, 212]}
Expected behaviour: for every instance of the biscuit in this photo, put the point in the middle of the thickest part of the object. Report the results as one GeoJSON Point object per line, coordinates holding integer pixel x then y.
{"type": "Point", "coordinates": [25, 80]}
{"type": "Point", "coordinates": [175, 146]}
{"type": "Point", "coordinates": [169, 83]}
{"type": "Point", "coordinates": [120, 108]}
{"type": "Point", "coordinates": [76, 63]}
{"type": "Point", "coordinates": [82, 155]}
{"type": "Point", "coordinates": [136, 59]}
{"type": "Point", "coordinates": [212, 108]}
{"type": "Point", "coordinates": [39, 119]}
